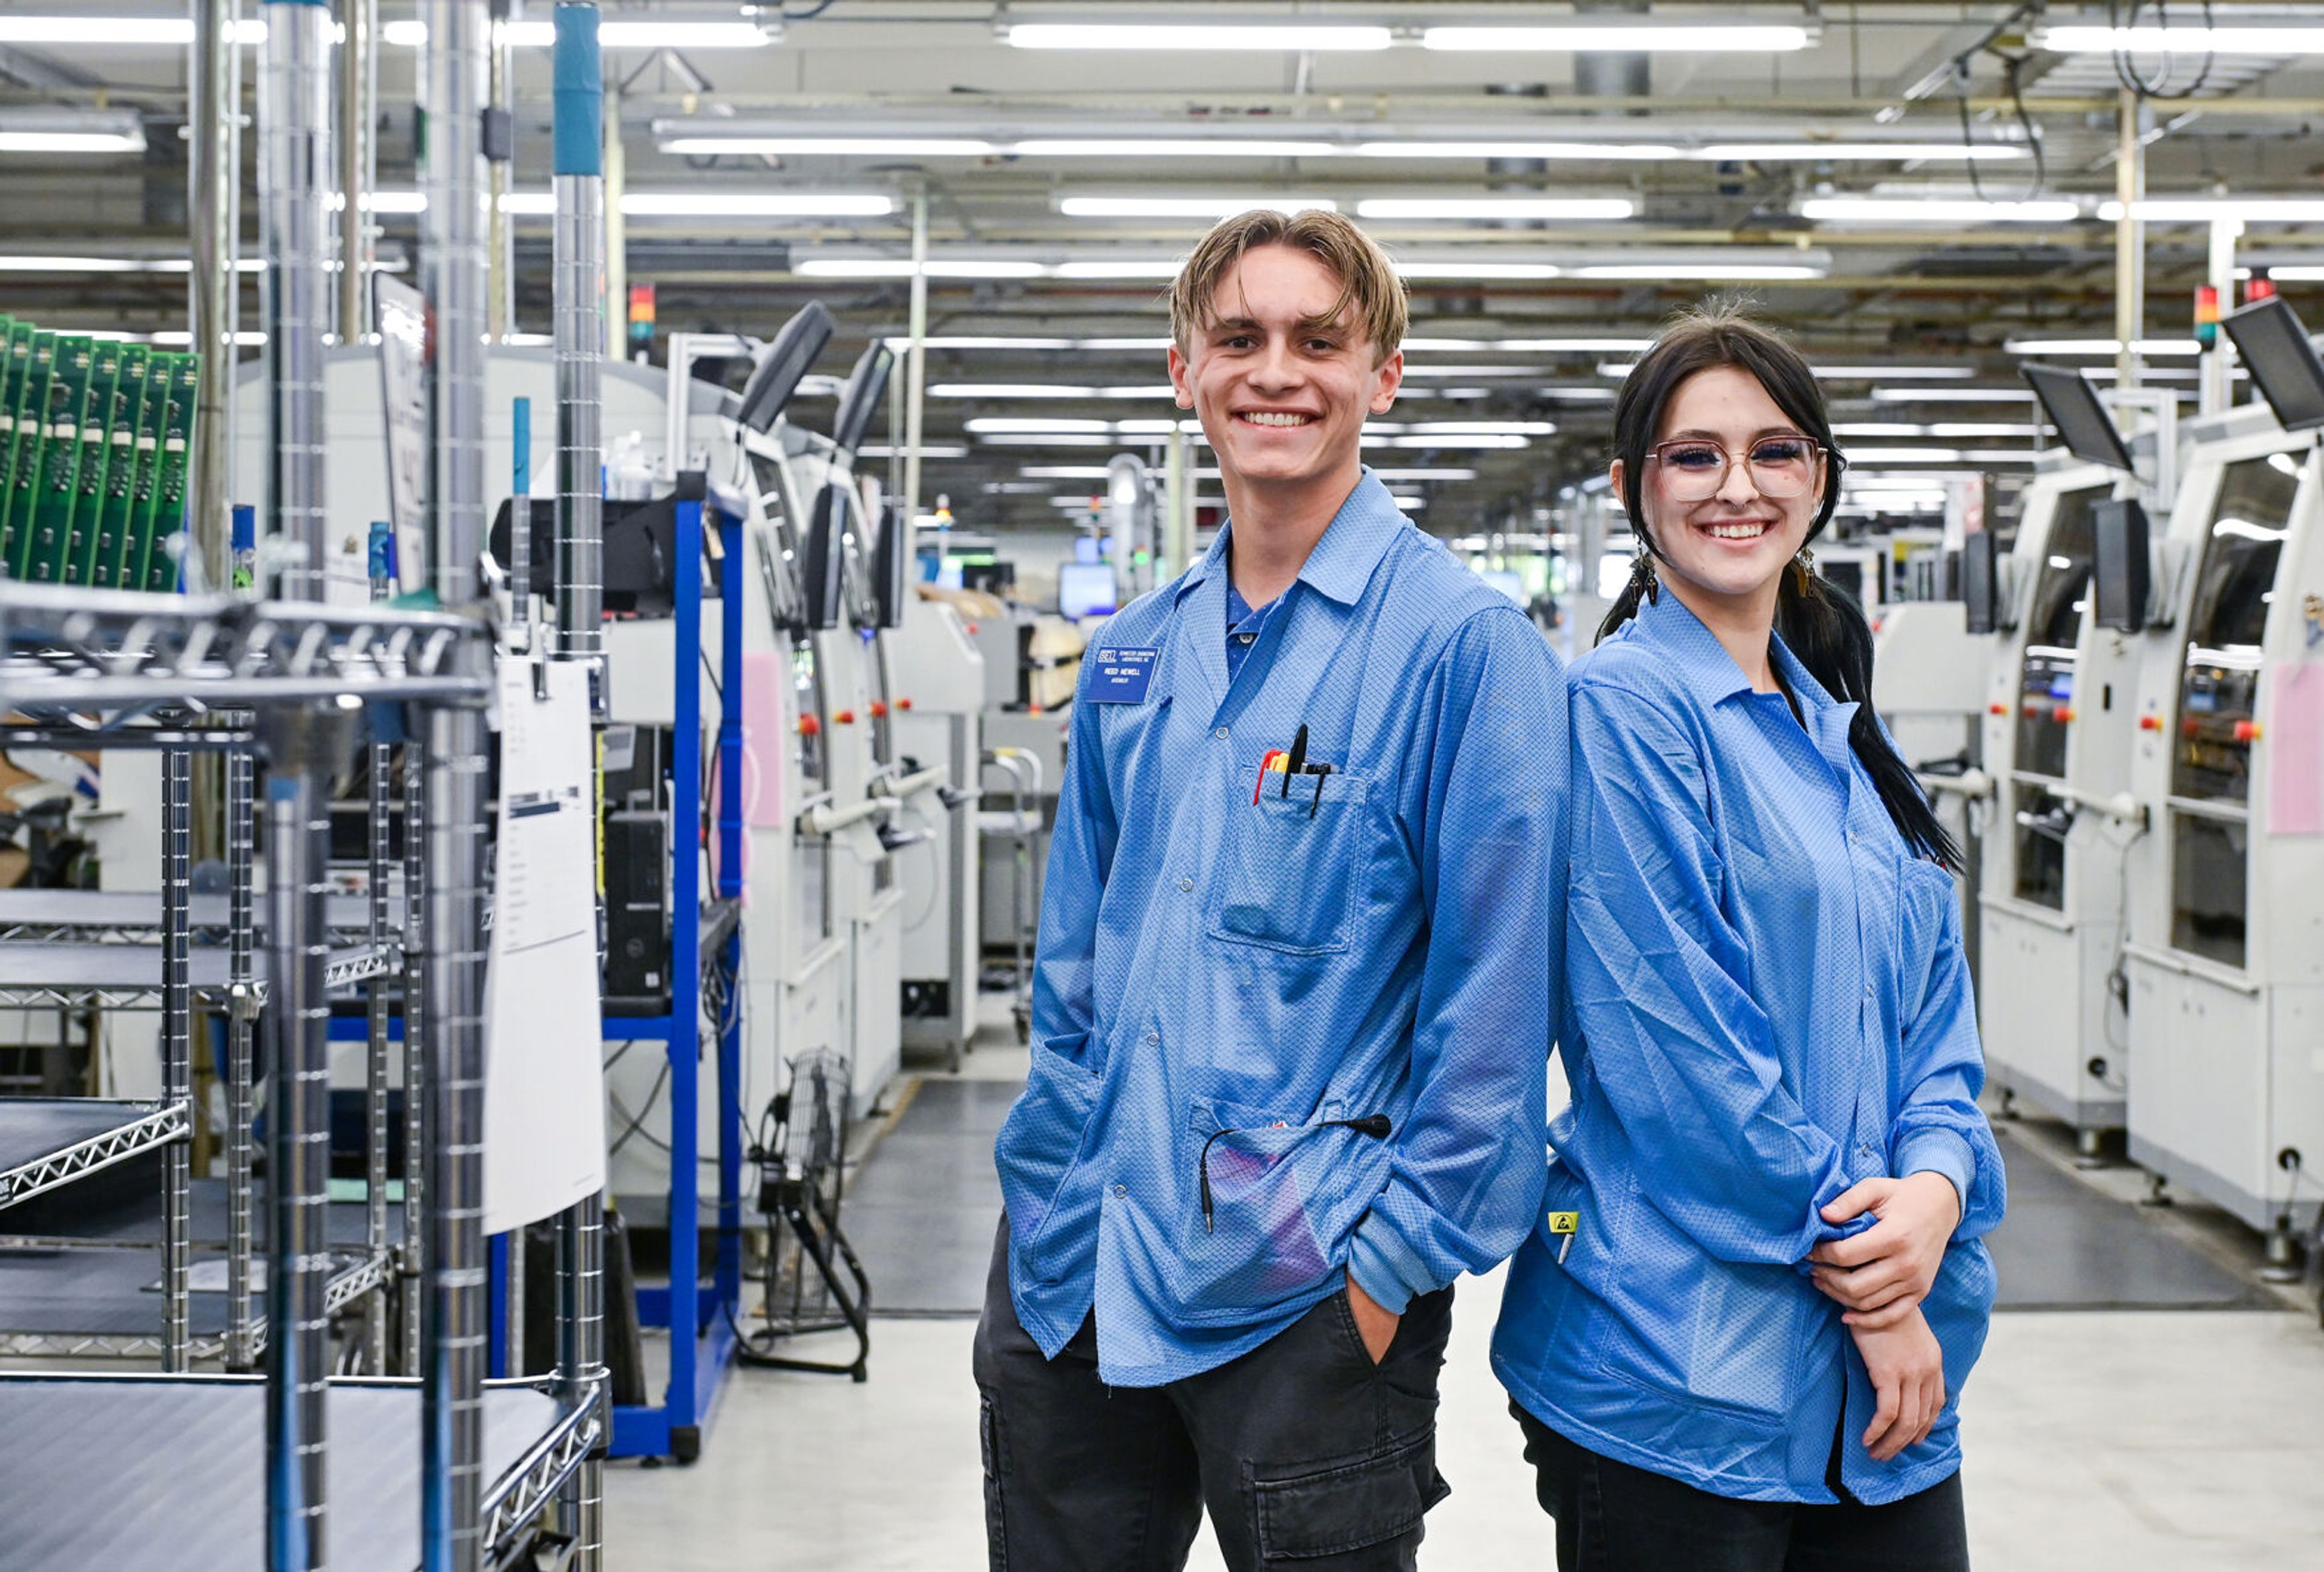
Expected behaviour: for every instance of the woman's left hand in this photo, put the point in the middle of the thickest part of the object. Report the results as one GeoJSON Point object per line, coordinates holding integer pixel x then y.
{"type": "Point", "coordinates": [1880, 1275]}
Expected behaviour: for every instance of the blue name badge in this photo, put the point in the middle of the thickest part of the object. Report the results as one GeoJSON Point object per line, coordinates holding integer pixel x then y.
{"type": "Point", "coordinates": [1123, 676]}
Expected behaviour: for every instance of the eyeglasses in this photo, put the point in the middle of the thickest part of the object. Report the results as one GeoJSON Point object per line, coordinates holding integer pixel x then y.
{"type": "Point", "coordinates": [1693, 470]}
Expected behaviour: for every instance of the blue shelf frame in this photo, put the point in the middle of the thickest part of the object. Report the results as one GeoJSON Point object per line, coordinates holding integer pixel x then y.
{"type": "Point", "coordinates": [701, 1316]}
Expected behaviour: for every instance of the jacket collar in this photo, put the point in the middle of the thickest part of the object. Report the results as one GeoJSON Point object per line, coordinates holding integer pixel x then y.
{"type": "Point", "coordinates": [1711, 673]}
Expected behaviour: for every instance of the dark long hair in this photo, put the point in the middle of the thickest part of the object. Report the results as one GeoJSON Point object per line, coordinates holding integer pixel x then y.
{"type": "Point", "coordinates": [1821, 623]}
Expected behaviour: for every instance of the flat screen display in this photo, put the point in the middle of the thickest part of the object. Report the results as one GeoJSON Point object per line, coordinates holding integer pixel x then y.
{"type": "Point", "coordinates": [2119, 571]}
{"type": "Point", "coordinates": [2282, 360]}
{"type": "Point", "coordinates": [2072, 405]}
{"type": "Point", "coordinates": [1085, 589]}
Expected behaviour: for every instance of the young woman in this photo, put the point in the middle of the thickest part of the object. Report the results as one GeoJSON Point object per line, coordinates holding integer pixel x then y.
{"type": "Point", "coordinates": [1737, 1337]}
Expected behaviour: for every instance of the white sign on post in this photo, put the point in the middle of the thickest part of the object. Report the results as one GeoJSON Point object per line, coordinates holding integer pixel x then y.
{"type": "Point", "coordinates": [402, 313]}
{"type": "Point", "coordinates": [544, 1077]}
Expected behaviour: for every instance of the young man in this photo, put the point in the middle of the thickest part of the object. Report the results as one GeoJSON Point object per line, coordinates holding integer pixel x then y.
{"type": "Point", "coordinates": [1299, 953]}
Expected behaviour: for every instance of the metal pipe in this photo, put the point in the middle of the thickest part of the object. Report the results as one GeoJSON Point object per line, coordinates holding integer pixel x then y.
{"type": "Point", "coordinates": [211, 176]}
{"type": "Point", "coordinates": [453, 70]}
{"type": "Point", "coordinates": [294, 110]}
{"type": "Point", "coordinates": [375, 1056]}
{"type": "Point", "coordinates": [416, 1078]}
{"type": "Point", "coordinates": [578, 83]}
{"type": "Point", "coordinates": [176, 1046]}
{"type": "Point", "coordinates": [303, 747]}
{"type": "Point", "coordinates": [357, 80]}
{"type": "Point", "coordinates": [241, 1102]}
{"type": "Point", "coordinates": [2129, 239]}
{"type": "Point", "coordinates": [453, 272]}
{"type": "Point", "coordinates": [458, 1309]}
{"type": "Point", "coordinates": [916, 361]}
{"type": "Point", "coordinates": [2217, 392]}
{"type": "Point", "coordinates": [617, 239]}
{"type": "Point", "coordinates": [500, 291]}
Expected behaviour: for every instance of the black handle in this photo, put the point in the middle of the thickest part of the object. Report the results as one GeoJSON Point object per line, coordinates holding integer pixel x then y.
{"type": "Point", "coordinates": [1376, 1126]}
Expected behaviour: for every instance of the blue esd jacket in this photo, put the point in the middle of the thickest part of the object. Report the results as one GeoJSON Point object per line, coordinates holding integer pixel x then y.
{"type": "Point", "coordinates": [1211, 965]}
{"type": "Point", "coordinates": [1769, 1003]}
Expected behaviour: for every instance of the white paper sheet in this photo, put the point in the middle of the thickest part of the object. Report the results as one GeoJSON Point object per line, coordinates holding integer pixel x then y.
{"type": "Point", "coordinates": [544, 1078]}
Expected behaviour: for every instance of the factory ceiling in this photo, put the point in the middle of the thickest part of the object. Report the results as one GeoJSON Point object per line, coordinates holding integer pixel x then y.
{"type": "Point", "coordinates": [1909, 188]}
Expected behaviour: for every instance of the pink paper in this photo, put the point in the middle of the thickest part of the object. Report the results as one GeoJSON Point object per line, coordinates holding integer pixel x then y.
{"type": "Point", "coordinates": [2294, 741]}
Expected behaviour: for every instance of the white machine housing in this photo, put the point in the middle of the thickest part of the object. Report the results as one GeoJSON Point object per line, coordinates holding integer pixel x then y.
{"type": "Point", "coordinates": [2225, 962]}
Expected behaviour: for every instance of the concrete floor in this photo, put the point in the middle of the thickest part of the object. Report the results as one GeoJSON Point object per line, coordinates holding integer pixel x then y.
{"type": "Point", "coordinates": [2111, 1442]}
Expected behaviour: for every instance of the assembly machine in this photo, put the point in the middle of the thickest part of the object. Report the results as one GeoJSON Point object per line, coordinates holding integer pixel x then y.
{"type": "Point", "coordinates": [2056, 744]}
{"type": "Point", "coordinates": [2224, 963]}
{"type": "Point", "coordinates": [938, 724]}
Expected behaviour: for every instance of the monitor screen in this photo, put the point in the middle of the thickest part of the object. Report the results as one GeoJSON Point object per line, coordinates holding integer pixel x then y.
{"type": "Point", "coordinates": [785, 362]}
{"type": "Point", "coordinates": [866, 386]}
{"type": "Point", "coordinates": [2282, 360]}
{"type": "Point", "coordinates": [2073, 404]}
{"type": "Point", "coordinates": [1508, 583]}
{"type": "Point", "coordinates": [1085, 589]}
{"type": "Point", "coordinates": [2119, 573]}
{"type": "Point", "coordinates": [1979, 582]}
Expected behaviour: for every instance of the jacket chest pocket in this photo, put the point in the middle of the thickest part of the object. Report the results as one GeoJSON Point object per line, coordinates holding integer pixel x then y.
{"type": "Point", "coordinates": [1293, 865]}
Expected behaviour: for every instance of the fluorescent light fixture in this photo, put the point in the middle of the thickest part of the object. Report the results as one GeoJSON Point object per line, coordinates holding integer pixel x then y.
{"type": "Point", "coordinates": [1063, 471]}
{"type": "Point", "coordinates": [1915, 373]}
{"type": "Point", "coordinates": [882, 267]}
{"type": "Point", "coordinates": [1902, 210]}
{"type": "Point", "coordinates": [1855, 152]}
{"type": "Point", "coordinates": [1170, 147]}
{"type": "Point", "coordinates": [831, 146]}
{"type": "Point", "coordinates": [1202, 38]}
{"type": "Point", "coordinates": [677, 35]}
{"type": "Point", "coordinates": [2184, 41]}
{"type": "Point", "coordinates": [1904, 456]}
{"type": "Point", "coordinates": [1413, 372]}
{"type": "Point", "coordinates": [1459, 207]}
{"type": "Point", "coordinates": [172, 336]}
{"type": "Point", "coordinates": [1480, 429]}
{"type": "Point", "coordinates": [1528, 346]}
{"type": "Point", "coordinates": [1479, 272]}
{"type": "Point", "coordinates": [1043, 389]}
{"type": "Point", "coordinates": [1480, 443]}
{"type": "Point", "coordinates": [1720, 272]}
{"type": "Point", "coordinates": [1099, 268]}
{"type": "Point", "coordinates": [755, 204]}
{"type": "Point", "coordinates": [2211, 209]}
{"type": "Point", "coordinates": [1877, 428]}
{"type": "Point", "coordinates": [1728, 37]}
{"type": "Point", "coordinates": [2295, 274]}
{"type": "Point", "coordinates": [1028, 426]}
{"type": "Point", "coordinates": [1546, 150]}
{"type": "Point", "coordinates": [169, 31]}
{"type": "Point", "coordinates": [1952, 395]}
{"type": "Point", "coordinates": [1425, 473]}
{"type": "Point", "coordinates": [72, 141]}
{"type": "Point", "coordinates": [1952, 429]}
{"type": "Point", "coordinates": [2108, 347]}
{"type": "Point", "coordinates": [902, 342]}
{"type": "Point", "coordinates": [1187, 206]}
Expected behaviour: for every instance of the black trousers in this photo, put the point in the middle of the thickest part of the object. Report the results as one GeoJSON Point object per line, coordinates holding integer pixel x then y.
{"type": "Point", "coordinates": [1306, 1454]}
{"type": "Point", "coordinates": [1612, 1517]}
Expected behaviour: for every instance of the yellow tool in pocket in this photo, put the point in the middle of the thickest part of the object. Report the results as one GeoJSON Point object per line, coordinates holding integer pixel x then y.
{"type": "Point", "coordinates": [1568, 1224]}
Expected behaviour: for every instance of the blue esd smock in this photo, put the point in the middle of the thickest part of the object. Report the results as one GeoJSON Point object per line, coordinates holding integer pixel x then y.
{"type": "Point", "coordinates": [1769, 1001]}
{"type": "Point", "coordinates": [1208, 963]}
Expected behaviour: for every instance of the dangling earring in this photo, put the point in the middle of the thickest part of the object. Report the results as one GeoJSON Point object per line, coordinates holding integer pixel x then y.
{"type": "Point", "coordinates": [1642, 577]}
{"type": "Point", "coordinates": [1804, 566]}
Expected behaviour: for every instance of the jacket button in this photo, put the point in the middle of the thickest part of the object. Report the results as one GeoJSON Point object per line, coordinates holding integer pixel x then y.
{"type": "Point", "coordinates": [1121, 1189]}
{"type": "Point", "coordinates": [1222, 734]}
{"type": "Point", "coordinates": [1152, 1038]}
{"type": "Point", "coordinates": [1185, 884]}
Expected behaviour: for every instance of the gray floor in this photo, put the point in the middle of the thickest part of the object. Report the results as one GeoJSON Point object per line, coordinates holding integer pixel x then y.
{"type": "Point", "coordinates": [2111, 1440]}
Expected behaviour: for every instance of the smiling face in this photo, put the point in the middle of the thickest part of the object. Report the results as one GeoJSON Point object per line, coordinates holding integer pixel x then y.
{"type": "Point", "coordinates": [1280, 383]}
{"type": "Point", "coordinates": [1727, 551]}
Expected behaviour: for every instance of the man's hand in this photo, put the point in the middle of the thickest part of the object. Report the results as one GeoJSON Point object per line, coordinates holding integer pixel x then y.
{"type": "Point", "coordinates": [1375, 1325]}
{"type": "Point", "coordinates": [1881, 1274]}
{"type": "Point", "coordinates": [1908, 1381]}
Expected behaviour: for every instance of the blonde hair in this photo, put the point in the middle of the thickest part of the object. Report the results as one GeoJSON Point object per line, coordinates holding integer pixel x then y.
{"type": "Point", "coordinates": [1371, 295]}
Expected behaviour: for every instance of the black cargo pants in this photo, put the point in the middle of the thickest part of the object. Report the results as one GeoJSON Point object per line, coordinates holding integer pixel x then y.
{"type": "Point", "coordinates": [1307, 1455]}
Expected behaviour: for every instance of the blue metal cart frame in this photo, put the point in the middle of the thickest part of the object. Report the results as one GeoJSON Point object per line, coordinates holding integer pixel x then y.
{"type": "Point", "coordinates": [701, 1316]}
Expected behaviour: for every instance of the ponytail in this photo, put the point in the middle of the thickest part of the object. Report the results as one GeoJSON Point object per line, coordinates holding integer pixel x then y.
{"type": "Point", "coordinates": [1820, 623]}
{"type": "Point", "coordinates": [1825, 630]}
